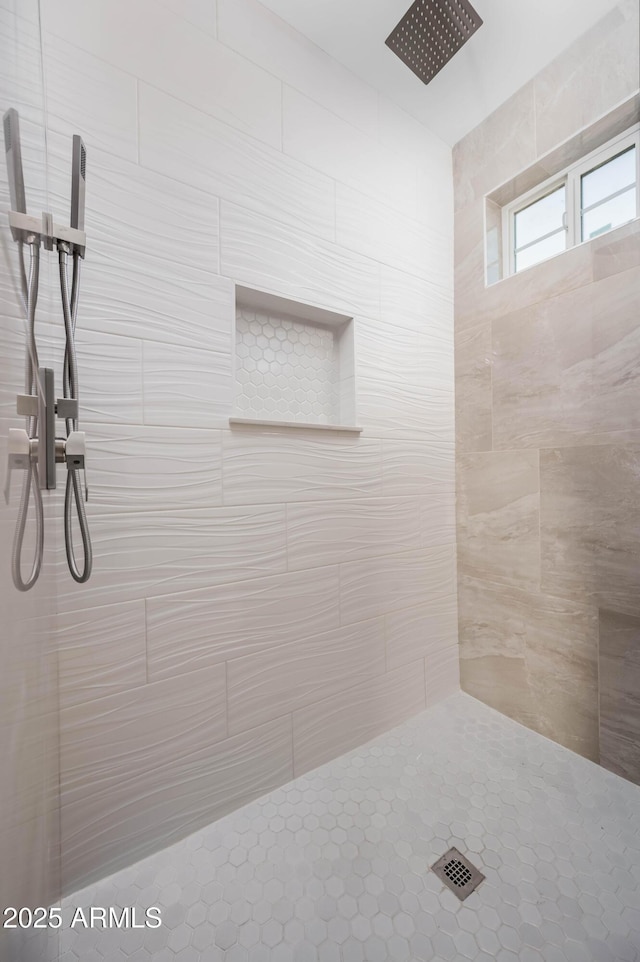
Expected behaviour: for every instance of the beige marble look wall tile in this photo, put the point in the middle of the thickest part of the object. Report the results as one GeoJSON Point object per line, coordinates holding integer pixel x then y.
{"type": "Point", "coordinates": [469, 258]}
{"type": "Point", "coordinates": [588, 524]}
{"type": "Point", "coordinates": [543, 373]}
{"type": "Point", "coordinates": [497, 149]}
{"type": "Point", "coordinates": [349, 718]}
{"type": "Point", "coordinates": [615, 307]}
{"type": "Point", "coordinates": [617, 251]}
{"type": "Point", "coordinates": [598, 70]}
{"type": "Point", "coordinates": [473, 389]}
{"type": "Point", "coordinates": [619, 699]}
{"type": "Point", "coordinates": [477, 304]}
{"type": "Point", "coordinates": [533, 657]}
{"type": "Point", "coordinates": [564, 370]}
{"type": "Point", "coordinates": [499, 517]}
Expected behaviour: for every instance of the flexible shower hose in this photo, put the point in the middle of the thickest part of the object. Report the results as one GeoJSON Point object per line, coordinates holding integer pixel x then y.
{"type": "Point", "coordinates": [31, 481]}
{"type": "Point", "coordinates": [73, 492]}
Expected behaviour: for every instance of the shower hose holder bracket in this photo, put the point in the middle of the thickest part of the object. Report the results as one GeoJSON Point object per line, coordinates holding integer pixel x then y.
{"type": "Point", "coordinates": [24, 226]}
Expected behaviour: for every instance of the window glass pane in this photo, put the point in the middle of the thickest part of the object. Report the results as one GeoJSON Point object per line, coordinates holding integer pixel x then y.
{"type": "Point", "coordinates": [608, 178]}
{"type": "Point", "coordinates": [541, 250]}
{"type": "Point", "coordinates": [540, 218]}
{"type": "Point", "coordinates": [611, 214]}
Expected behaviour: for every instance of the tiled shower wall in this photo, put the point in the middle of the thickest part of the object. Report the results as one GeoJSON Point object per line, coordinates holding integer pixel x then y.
{"type": "Point", "coordinates": [29, 815]}
{"type": "Point", "coordinates": [262, 600]}
{"type": "Point", "coordinates": [548, 432]}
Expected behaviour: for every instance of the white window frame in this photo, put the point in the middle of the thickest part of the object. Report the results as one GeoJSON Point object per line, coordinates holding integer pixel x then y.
{"type": "Point", "coordinates": [570, 177]}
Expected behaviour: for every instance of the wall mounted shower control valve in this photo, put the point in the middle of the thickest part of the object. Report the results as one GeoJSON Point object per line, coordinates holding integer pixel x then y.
{"type": "Point", "coordinates": [24, 451]}
{"type": "Point", "coordinates": [45, 450]}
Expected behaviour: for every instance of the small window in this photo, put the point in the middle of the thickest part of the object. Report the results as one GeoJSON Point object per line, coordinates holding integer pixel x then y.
{"type": "Point", "coordinates": [608, 194]}
{"type": "Point", "coordinates": [591, 197]}
{"type": "Point", "coordinates": [539, 229]}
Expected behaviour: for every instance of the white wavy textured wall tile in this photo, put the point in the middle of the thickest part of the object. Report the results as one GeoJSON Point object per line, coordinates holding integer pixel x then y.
{"type": "Point", "coordinates": [283, 679]}
{"type": "Point", "coordinates": [22, 844]}
{"type": "Point", "coordinates": [422, 632]}
{"type": "Point", "coordinates": [29, 787]}
{"type": "Point", "coordinates": [417, 357]}
{"type": "Point", "coordinates": [254, 31]}
{"type": "Point", "coordinates": [351, 717]}
{"type": "Point", "coordinates": [422, 305]}
{"type": "Point", "coordinates": [200, 13]}
{"type": "Point", "coordinates": [177, 549]}
{"type": "Point", "coordinates": [149, 297]}
{"type": "Point", "coordinates": [99, 355]}
{"type": "Point", "coordinates": [399, 410]}
{"type": "Point", "coordinates": [122, 733]}
{"type": "Point", "coordinates": [377, 586]}
{"type": "Point", "coordinates": [11, 364]}
{"type": "Point", "coordinates": [20, 74]}
{"type": "Point", "coordinates": [437, 514]}
{"type": "Point", "coordinates": [86, 94]}
{"type": "Point", "coordinates": [101, 651]}
{"type": "Point", "coordinates": [137, 209]}
{"type": "Point", "coordinates": [288, 261]}
{"type": "Point", "coordinates": [332, 532]}
{"type": "Point", "coordinates": [182, 59]}
{"type": "Point", "coordinates": [185, 143]}
{"type": "Point", "coordinates": [141, 468]}
{"type": "Point", "coordinates": [442, 672]}
{"type": "Point", "coordinates": [372, 228]}
{"type": "Point", "coordinates": [238, 619]}
{"type": "Point", "coordinates": [269, 467]}
{"type": "Point", "coordinates": [311, 134]}
{"type": "Point", "coordinates": [172, 800]}
{"type": "Point", "coordinates": [417, 467]}
{"type": "Point", "coordinates": [430, 156]}
{"type": "Point", "coordinates": [186, 387]}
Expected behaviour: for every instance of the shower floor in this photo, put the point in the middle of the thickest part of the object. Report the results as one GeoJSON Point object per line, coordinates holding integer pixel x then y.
{"type": "Point", "coordinates": [334, 867]}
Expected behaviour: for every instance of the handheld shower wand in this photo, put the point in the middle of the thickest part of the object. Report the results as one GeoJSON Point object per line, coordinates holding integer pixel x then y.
{"type": "Point", "coordinates": [29, 291]}
{"type": "Point", "coordinates": [14, 161]}
{"type": "Point", "coordinates": [78, 181]}
{"type": "Point", "coordinates": [15, 175]}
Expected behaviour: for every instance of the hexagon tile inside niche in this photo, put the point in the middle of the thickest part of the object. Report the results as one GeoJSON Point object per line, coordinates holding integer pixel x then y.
{"type": "Point", "coordinates": [294, 362]}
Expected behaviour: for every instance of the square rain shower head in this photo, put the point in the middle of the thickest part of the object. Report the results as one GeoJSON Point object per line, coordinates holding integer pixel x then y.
{"type": "Point", "coordinates": [431, 32]}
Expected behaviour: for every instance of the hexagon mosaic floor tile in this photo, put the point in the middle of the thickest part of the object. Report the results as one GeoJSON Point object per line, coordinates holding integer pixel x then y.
{"type": "Point", "coordinates": [335, 866]}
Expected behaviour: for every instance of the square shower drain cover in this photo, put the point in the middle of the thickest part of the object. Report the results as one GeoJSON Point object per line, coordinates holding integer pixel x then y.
{"type": "Point", "coordinates": [457, 873]}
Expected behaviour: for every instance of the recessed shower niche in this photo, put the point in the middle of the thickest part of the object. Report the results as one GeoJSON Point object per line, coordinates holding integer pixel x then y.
{"type": "Point", "coordinates": [294, 363]}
